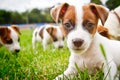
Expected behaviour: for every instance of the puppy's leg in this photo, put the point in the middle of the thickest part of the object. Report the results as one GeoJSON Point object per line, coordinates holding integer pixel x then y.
{"type": "Point", "coordinates": [33, 41]}
{"type": "Point", "coordinates": [69, 73]}
{"type": "Point", "coordinates": [110, 71]}
{"type": "Point", "coordinates": [44, 43]}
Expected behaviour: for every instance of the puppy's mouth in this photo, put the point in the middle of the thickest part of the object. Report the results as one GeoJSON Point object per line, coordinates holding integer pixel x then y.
{"type": "Point", "coordinates": [80, 49]}
{"type": "Point", "coordinates": [77, 48]}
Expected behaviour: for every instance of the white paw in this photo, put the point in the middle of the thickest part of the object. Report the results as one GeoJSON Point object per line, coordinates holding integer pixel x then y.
{"type": "Point", "coordinates": [60, 77]}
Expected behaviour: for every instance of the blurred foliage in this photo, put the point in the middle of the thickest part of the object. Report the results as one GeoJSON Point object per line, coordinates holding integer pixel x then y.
{"type": "Point", "coordinates": [16, 18]}
{"type": "Point", "coordinates": [5, 17]}
{"type": "Point", "coordinates": [39, 15]}
{"type": "Point", "coordinates": [96, 1]}
{"type": "Point", "coordinates": [111, 4]}
{"type": "Point", "coordinates": [33, 16]}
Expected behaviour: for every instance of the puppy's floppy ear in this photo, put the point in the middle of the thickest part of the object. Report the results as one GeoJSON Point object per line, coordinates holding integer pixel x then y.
{"type": "Point", "coordinates": [50, 30]}
{"type": "Point", "coordinates": [58, 11]}
{"type": "Point", "coordinates": [100, 11]}
{"type": "Point", "coordinates": [4, 31]}
{"type": "Point", "coordinates": [15, 27]}
{"type": "Point", "coordinates": [103, 31]}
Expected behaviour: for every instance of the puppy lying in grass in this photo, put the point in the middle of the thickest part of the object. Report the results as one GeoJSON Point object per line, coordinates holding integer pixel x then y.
{"type": "Point", "coordinates": [79, 24]}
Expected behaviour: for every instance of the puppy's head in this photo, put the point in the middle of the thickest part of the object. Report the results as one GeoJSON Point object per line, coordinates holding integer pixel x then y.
{"type": "Point", "coordinates": [79, 23]}
{"type": "Point", "coordinates": [56, 35]}
{"type": "Point", "coordinates": [9, 37]}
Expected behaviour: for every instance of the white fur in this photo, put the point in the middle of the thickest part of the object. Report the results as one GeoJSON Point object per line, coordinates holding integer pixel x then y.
{"type": "Point", "coordinates": [89, 54]}
{"type": "Point", "coordinates": [113, 24]}
{"type": "Point", "coordinates": [47, 38]}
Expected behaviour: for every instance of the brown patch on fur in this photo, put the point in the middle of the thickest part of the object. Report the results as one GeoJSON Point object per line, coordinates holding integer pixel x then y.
{"type": "Point", "coordinates": [49, 30]}
{"type": "Point", "coordinates": [103, 31]}
{"type": "Point", "coordinates": [15, 27]}
{"type": "Point", "coordinates": [65, 13]}
{"type": "Point", "coordinates": [69, 16]}
{"type": "Point", "coordinates": [41, 32]}
{"type": "Point", "coordinates": [63, 31]}
{"type": "Point", "coordinates": [4, 34]}
{"type": "Point", "coordinates": [52, 31]}
{"type": "Point", "coordinates": [99, 11]}
{"type": "Point", "coordinates": [92, 13]}
{"type": "Point", "coordinates": [89, 16]}
{"type": "Point", "coordinates": [59, 11]}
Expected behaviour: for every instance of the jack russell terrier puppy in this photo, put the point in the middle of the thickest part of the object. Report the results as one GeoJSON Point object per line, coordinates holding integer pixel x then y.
{"type": "Point", "coordinates": [48, 34]}
{"type": "Point", "coordinates": [79, 24]}
{"type": "Point", "coordinates": [9, 37]}
{"type": "Point", "coordinates": [113, 23]}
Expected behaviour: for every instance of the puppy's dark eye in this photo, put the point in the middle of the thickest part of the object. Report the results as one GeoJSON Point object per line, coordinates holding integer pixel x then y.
{"type": "Point", "coordinates": [68, 25]}
{"type": "Point", "coordinates": [9, 41]}
{"type": "Point", "coordinates": [89, 24]}
{"type": "Point", "coordinates": [55, 39]}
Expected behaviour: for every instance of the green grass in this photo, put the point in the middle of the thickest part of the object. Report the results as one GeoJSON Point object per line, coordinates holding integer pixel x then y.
{"type": "Point", "coordinates": [37, 64]}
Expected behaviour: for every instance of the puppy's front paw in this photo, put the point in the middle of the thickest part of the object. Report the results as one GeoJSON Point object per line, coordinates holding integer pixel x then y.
{"type": "Point", "coordinates": [60, 77]}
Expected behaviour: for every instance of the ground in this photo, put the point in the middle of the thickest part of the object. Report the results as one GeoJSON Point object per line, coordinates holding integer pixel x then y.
{"type": "Point", "coordinates": [37, 64]}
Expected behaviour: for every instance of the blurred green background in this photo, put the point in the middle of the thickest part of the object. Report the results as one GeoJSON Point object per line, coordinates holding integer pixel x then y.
{"type": "Point", "coordinates": [40, 15]}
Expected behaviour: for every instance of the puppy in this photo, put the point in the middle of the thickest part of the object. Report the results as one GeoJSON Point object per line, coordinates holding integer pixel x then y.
{"type": "Point", "coordinates": [9, 37]}
{"type": "Point", "coordinates": [113, 23]}
{"type": "Point", "coordinates": [79, 23]}
{"type": "Point", "coordinates": [48, 34]}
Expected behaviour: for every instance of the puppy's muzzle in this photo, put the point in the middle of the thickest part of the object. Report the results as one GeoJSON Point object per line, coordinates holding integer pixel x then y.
{"type": "Point", "coordinates": [77, 42]}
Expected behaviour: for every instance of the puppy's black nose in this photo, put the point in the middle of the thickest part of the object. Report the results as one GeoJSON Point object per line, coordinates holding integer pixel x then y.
{"type": "Point", "coordinates": [17, 50]}
{"type": "Point", "coordinates": [77, 42]}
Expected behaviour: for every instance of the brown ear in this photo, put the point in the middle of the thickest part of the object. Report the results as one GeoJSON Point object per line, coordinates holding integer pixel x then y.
{"type": "Point", "coordinates": [3, 31]}
{"type": "Point", "coordinates": [103, 31]}
{"type": "Point", "coordinates": [100, 12]}
{"type": "Point", "coordinates": [50, 30]}
{"type": "Point", "coordinates": [58, 11]}
{"type": "Point", "coordinates": [16, 29]}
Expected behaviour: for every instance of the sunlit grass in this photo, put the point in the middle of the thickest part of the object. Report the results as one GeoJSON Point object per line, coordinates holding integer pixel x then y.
{"type": "Point", "coordinates": [37, 64]}
{"type": "Point", "coordinates": [32, 64]}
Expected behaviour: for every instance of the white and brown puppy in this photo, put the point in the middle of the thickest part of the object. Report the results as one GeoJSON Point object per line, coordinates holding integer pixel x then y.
{"type": "Point", "coordinates": [79, 24]}
{"type": "Point", "coordinates": [48, 34]}
{"type": "Point", "coordinates": [9, 37]}
{"type": "Point", "coordinates": [113, 23]}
